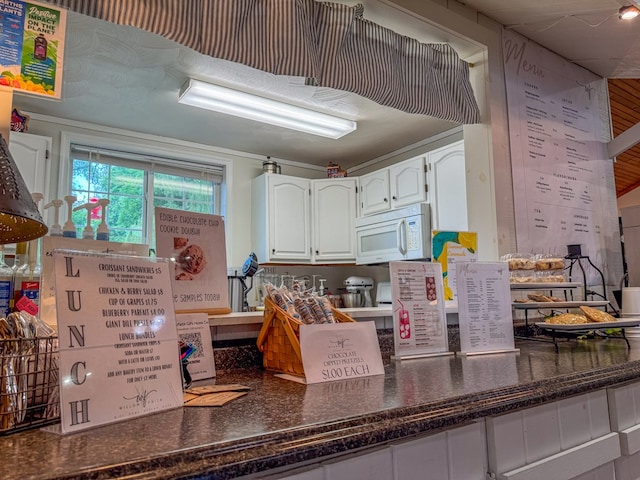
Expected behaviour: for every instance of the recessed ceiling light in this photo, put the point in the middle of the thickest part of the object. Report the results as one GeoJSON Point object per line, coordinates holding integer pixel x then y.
{"type": "Point", "coordinates": [628, 12]}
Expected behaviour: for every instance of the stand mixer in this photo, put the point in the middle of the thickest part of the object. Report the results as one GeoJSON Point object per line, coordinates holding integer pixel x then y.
{"type": "Point", "coordinates": [362, 285]}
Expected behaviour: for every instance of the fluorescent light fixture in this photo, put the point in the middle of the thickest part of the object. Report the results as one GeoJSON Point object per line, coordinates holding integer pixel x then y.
{"type": "Point", "coordinates": [628, 12]}
{"type": "Point", "coordinates": [261, 109]}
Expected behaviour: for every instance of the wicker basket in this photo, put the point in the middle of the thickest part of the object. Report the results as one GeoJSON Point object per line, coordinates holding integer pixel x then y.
{"type": "Point", "coordinates": [279, 339]}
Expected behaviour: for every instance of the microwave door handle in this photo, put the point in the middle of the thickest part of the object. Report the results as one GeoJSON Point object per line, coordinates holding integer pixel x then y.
{"type": "Point", "coordinates": [401, 230]}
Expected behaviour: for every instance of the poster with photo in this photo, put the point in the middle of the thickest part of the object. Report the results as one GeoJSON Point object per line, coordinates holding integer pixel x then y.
{"type": "Point", "coordinates": [195, 243]}
{"type": "Point", "coordinates": [449, 248]}
{"type": "Point", "coordinates": [32, 38]}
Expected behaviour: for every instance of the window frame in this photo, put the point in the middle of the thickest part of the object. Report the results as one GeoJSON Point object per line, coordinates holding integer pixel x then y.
{"type": "Point", "coordinates": [174, 151]}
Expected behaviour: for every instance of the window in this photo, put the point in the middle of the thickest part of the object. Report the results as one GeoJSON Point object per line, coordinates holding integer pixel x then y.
{"type": "Point", "coordinates": [134, 185]}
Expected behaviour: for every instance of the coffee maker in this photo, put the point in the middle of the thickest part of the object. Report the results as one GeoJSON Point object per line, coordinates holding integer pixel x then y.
{"type": "Point", "coordinates": [362, 285]}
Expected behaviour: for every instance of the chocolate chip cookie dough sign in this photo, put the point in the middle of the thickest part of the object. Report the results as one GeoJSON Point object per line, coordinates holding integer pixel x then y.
{"type": "Point", "coordinates": [118, 339]}
{"type": "Point", "coordinates": [196, 244]}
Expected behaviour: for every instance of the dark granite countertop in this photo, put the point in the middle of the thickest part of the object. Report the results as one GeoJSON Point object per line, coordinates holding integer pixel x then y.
{"type": "Point", "coordinates": [281, 423]}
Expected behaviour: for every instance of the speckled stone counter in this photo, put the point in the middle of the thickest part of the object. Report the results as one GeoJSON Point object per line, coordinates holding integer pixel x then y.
{"type": "Point", "coordinates": [282, 423]}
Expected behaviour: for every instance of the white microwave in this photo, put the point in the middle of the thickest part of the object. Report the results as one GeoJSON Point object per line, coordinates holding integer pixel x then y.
{"type": "Point", "coordinates": [402, 234]}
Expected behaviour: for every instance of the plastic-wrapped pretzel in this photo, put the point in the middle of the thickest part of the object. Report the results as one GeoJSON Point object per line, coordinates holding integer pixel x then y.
{"type": "Point", "coordinates": [325, 304]}
{"type": "Point", "coordinates": [303, 309]}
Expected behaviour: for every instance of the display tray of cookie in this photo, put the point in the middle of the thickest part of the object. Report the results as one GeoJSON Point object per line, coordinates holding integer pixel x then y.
{"type": "Point", "coordinates": [532, 305]}
{"type": "Point", "coordinates": [585, 327]}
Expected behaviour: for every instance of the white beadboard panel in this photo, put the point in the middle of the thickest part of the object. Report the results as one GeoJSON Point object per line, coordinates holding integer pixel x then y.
{"type": "Point", "coordinates": [599, 413]}
{"type": "Point", "coordinates": [570, 463]}
{"type": "Point", "coordinates": [505, 442]}
{"type": "Point", "coordinates": [630, 440]}
{"type": "Point", "coordinates": [413, 458]}
{"type": "Point", "coordinates": [311, 473]}
{"type": "Point", "coordinates": [628, 467]}
{"type": "Point", "coordinates": [376, 465]}
{"type": "Point", "coordinates": [574, 421]}
{"type": "Point", "coordinates": [467, 453]}
{"type": "Point", "coordinates": [621, 407]}
{"type": "Point", "coordinates": [541, 431]}
{"type": "Point", "coordinates": [605, 472]}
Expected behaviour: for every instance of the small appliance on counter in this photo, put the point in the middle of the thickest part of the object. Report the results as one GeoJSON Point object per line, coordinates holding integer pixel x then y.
{"type": "Point", "coordinates": [362, 286]}
{"type": "Point", "coordinates": [383, 294]}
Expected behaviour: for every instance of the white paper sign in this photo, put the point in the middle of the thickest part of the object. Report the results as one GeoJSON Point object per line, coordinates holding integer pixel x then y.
{"type": "Point", "coordinates": [484, 307]}
{"type": "Point", "coordinates": [340, 351]}
{"type": "Point", "coordinates": [418, 308]}
{"type": "Point", "coordinates": [118, 339]}
{"type": "Point", "coordinates": [197, 244]}
{"type": "Point", "coordinates": [193, 328]}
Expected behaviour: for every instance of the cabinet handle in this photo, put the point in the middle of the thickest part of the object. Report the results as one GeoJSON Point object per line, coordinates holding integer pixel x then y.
{"type": "Point", "coordinates": [317, 252]}
{"type": "Point", "coordinates": [273, 250]}
{"type": "Point", "coordinates": [393, 198]}
{"type": "Point", "coordinates": [385, 200]}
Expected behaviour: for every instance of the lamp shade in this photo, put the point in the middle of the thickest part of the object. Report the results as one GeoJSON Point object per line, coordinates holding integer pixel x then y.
{"type": "Point", "coordinates": [20, 219]}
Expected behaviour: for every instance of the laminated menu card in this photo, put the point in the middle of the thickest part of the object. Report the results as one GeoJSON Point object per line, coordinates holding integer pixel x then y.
{"type": "Point", "coordinates": [118, 339]}
{"type": "Point", "coordinates": [484, 308]}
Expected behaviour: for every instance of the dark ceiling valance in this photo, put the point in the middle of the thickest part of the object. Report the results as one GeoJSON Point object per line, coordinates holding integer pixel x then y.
{"type": "Point", "coordinates": [330, 44]}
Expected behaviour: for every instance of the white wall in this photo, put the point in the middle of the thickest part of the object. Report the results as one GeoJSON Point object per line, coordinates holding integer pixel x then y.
{"type": "Point", "coordinates": [630, 199]}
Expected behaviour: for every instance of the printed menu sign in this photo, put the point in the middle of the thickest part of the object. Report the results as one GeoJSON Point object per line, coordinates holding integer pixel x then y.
{"type": "Point", "coordinates": [484, 308]}
{"type": "Point", "coordinates": [118, 339]}
{"type": "Point", "coordinates": [418, 308]}
{"type": "Point", "coordinates": [563, 183]}
{"type": "Point", "coordinates": [340, 351]}
{"type": "Point", "coordinates": [196, 244]}
{"type": "Point", "coordinates": [32, 47]}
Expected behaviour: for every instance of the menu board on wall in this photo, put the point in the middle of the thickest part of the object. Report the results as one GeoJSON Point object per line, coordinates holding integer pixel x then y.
{"type": "Point", "coordinates": [119, 354]}
{"type": "Point", "coordinates": [418, 309]}
{"type": "Point", "coordinates": [563, 184]}
{"type": "Point", "coordinates": [196, 243]}
{"type": "Point", "coordinates": [32, 47]}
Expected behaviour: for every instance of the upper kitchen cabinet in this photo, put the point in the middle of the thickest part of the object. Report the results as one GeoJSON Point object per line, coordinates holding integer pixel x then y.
{"type": "Point", "coordinates": [407, 182]}
{"type": "Point", "coordinates": [448, 192]}
{"type": "Point", "coordinates": [333, 215]}
{"type": "Point", "coordinates": [31, 154]}
{"type": "Point", "coordinates": [297, 220]}
{"type": "Point", "coordinates": [281, 225]}
{"type": "Point", "coordinates": [374, 192]}
{"type": "Point", "coordinates": [393, 187]}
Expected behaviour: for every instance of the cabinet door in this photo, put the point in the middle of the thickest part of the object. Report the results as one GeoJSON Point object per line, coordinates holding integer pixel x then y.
{"type": "Point", "coordinates": [289, 222]}
{"type": "Point", "coordinates": [374, 192]}
{"type": "Point", "coordinates": [448, 188]}
{"type": "Point", "coordinates": [334, 213]}
{"type": "Point", "coordinates": [407, 182]}
{"type": "Point", "coordinates": [31, 154]}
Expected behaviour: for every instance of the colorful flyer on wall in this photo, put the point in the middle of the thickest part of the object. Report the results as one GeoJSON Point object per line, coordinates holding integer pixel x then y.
{"type": "Point", "coordinates": [195, 242]}
{"type": "Point", "coordinates": [484, 308]}
{"type": "Point", "coordinates": [119, 358]}
{"type": "Point", "coordinates": [418, 308]}
{"type": "Point", "coordinates": [32, 47]}
{"type": "Point", "coordinates": [447, 249]}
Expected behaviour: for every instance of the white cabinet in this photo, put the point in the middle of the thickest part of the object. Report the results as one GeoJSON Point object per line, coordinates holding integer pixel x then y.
{"type": "Point", "coordinates": [374, 192]}
{"type": "Point", "coordinates": [407, 182]}
{"type": "Point", "coordinates": [280, 209]}
{"type": "Point", "coordinates": [297, 220]}
{"type": "Point", "coordinates": [393, 187]}
{"type": "Point", "coordinates": [31, 154]}
{"type": "Point", "coordinates": [333, 215]}
{"type": "Point", "coordinates": [447, 187]}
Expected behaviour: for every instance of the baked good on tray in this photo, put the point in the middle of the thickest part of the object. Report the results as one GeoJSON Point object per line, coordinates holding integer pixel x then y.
{"type": "Point", "coordinates": [595, 315]}
{"type": "Point", "coordinates": [567, 319]}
